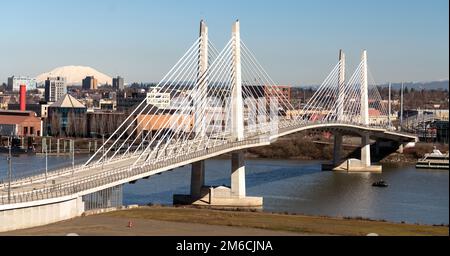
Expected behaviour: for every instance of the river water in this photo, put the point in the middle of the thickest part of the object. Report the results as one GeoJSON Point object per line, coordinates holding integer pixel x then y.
{"type": "Point", "coordinates": [414, 195]}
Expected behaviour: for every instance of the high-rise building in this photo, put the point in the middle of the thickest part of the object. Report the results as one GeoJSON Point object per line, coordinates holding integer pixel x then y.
{"type": "Point", "coordinates": [118, 83]}
{"type": "Point", "coordinates": [55, 88]}
{"type": "Point", "coordinates": [14, 83]}
{"type": "Point", "coordinates": [89, 83]}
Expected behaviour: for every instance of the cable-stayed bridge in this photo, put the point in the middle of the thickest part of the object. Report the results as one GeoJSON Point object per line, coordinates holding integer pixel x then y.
{"type": "Point", "coordinates": [210, 103]}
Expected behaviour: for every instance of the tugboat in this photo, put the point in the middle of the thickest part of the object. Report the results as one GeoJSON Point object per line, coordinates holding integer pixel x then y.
{"type": "Point", "coordinates": [380, 183]}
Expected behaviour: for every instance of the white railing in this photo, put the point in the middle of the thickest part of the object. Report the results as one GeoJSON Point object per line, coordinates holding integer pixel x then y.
{"type": "Point", "coordinates": [162, 159]}
{"type": "Point", "coordinates": [116, 175]}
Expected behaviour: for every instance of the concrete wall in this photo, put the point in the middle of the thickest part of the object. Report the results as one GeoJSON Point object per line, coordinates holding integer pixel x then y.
{"type": "Point", "coordinates": [40, 215]}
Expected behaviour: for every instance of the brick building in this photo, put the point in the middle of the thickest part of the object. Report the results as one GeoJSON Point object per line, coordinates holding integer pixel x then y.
{"type": "Point", "coordinates": [20, 123]}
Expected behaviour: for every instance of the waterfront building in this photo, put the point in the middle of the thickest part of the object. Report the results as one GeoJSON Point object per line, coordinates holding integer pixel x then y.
{"type": "Point", "coordinates": [55, 88]}
{"type": "Point", "coordinates": [15, 82]}
{"type": "Point", "coordinates": [35, 107]}
{"type": "Point", "coordinates": [19, 123]}
{"type": "Point", "coordinates": [163, 120]}
{"type": "Point", "coordinates": [89, 83]}
{"type": "Point", "coordinates": [118, 83]}
{"type": "Point", "coordinates": [67, 117]}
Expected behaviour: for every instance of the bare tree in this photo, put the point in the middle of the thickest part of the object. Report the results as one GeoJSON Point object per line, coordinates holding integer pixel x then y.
{"type": "Point", "coordinates": [82, 125]}
{"type": "Point", "coordinates": [70, 126]}
{"type": "Point", "coordinates": [55, 123]}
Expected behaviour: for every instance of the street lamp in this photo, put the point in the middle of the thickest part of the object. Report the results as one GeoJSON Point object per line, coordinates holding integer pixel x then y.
{"type": "Point", "coordinates": [9, 169]}
{"type": "Point", "coordinates": [46, 163]}
{"type": "Point", "coordinates": [103, 147]}
{"type": "Point", "coordinates": [73, 154]}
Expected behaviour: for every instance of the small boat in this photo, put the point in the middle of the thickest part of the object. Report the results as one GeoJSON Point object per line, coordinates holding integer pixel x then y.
{"type": "Point", "coordinates": [435, 160]}
{"type": "Point", "coordinates": [380, 183]}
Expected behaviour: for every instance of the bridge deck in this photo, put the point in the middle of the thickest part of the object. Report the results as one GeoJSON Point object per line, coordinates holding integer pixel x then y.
{"type": "Point", "coordinates": [85, 180]}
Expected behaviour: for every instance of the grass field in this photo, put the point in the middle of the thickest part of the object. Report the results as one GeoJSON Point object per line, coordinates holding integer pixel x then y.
{"type": "Point", "coordinates": [280, 222]}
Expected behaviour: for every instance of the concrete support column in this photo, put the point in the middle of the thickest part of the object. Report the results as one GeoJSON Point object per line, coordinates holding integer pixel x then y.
{"type": "Point", "coordinates": [337, 148]}
{"type": "Point", "coordinates": [365, 150]}
{"type": "Point", "coordinates": [400, 148]}
{"type": "Point", "coordinates": [197, 178]}
{"type": "Point", "coordinates": [57, 146]}
{"type": "Point", "coordinates": [238, 175]}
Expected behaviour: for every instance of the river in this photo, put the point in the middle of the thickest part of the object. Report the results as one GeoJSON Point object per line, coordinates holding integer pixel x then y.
{"type": "Point", "coordinates": [414, 195]}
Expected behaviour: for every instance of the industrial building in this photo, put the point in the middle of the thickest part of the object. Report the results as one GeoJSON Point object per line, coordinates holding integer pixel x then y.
{"type": "Point", "coordinates": [19, 123]}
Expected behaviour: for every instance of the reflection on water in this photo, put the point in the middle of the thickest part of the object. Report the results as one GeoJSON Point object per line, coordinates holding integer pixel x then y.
{"type": "Point", "coordinates": [420, 196]}
{"type": "Point", "coordinates": [301, 187]}
{"type": "Point", "coordinates": [24, 165]}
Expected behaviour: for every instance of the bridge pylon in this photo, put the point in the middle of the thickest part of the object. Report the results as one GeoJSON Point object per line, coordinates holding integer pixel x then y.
{"type": "Point", "coordinates": [341, 86]}
{"type": "Point", "coordinates": [365, 140]}
{"type": "Point", "coordinates": [354, 165]}
{"type": "Point", "coordinates": [222, 196]}
{"type": "Point", "coordinates": [198, 168]}
{"type": "Point", "coordinates": [237, 103]}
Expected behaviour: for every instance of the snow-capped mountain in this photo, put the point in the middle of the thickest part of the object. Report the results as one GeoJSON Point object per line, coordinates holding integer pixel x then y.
{"type": "Point", "coordinates": [75, 74]}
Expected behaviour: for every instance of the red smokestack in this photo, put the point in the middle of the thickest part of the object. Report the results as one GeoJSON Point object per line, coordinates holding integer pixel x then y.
{"type": "Point", "coordinates": [23, 97]}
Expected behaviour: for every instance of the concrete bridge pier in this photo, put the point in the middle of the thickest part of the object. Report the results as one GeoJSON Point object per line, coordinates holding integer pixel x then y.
{"type": "Point", "coordinates": [337, 149]}
{"type": "Point", "coordinates": [197, 179]}
{"type": "Point", "coordinates": [237, 175]}
{"type": "Point", "coordinates": [220, 196]}
{"type": "Point", "coordinates": [365, 150]}
{"type": "Point", "coordinates": [364, 164]}
{"type": "Point", "coordinates": [360, 165]}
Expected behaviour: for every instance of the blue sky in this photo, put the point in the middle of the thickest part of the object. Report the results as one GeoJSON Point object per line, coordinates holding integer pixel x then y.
{"type": "Point", "coordinates": [296, 41]}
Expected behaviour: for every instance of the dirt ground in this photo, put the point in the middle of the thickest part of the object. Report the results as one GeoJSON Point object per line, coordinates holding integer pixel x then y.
{"type": "Point", "coordinates": [99, 225]}
{"type": "Point", "coordinates": [188, 221]}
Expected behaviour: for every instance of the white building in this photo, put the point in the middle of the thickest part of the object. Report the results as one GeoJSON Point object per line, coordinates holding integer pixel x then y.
{"type": "Point", "coordinates": [55, 88]}
{"type": "Point", "coordinates": [158, 99]}
{"type": "Point", "coordinates": [14, 83]}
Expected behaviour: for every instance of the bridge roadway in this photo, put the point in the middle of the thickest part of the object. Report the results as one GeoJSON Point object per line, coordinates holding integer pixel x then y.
{"type": "Point", "coordinates": [72, 183]}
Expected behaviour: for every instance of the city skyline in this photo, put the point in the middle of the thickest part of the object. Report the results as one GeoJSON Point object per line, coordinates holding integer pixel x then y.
{"type": "Point", "coordinates": [296, 42]}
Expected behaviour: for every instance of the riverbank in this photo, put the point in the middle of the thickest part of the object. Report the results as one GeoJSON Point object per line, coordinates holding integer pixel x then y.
{"type": "Point", "coordinates": [306, 146]}
{"type": "Point", "coordinates": [157, 220]}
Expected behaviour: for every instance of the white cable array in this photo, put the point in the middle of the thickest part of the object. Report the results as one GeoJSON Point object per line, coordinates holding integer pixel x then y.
{"type": "Point", "coordinates": [101, 149]}
{"type": "Point", "coordinates": [225, 51]}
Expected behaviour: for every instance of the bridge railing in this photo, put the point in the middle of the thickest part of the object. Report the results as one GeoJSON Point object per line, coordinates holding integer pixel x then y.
{"type": "Point", "coordinates": [283, 126]}
{"type": "Point", "coordinates": [107, 177]}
